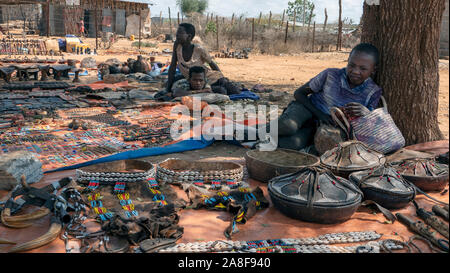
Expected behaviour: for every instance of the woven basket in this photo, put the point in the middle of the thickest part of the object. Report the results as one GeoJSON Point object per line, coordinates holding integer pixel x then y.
{"type": "Point", "coordinates": [115, 171]}
{"type": "Point", "coordinates": [177, 171]}
{"type": "Point", "coordinates": [264, 165]}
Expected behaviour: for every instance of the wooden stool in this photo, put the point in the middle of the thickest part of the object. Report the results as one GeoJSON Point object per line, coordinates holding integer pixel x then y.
{"type": "Point", "coordinates": [45, 71]}
{"type": "Point", "coordinates": [77, 72]}
{"type": "Point", "coordinates": [23, 72]}
{"type": "Point", "coordinates": [61, 70]}
{"type": "Point", "coordinates": [6, 73]}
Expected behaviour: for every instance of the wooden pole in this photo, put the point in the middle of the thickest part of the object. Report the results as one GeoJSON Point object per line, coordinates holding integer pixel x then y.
{"type": "Point", "coordinates": [47, 17]}
{"type": "Point", "coordinates": [253, 31]}
{"type": "Point", "coordinates": [287, 28]}
{"type": "Point", "coordinates": [160, 20]}
{"type": "Point", "coordinates": [314, 36]}
{"type": "Point", "coordinates": [282, 19]}
{"type": "Point", "coordinates": [178, 16]}
{"type": "Point", "coordinates": [140, 28]}
{"type": "Point", "coordinates": [326, 19]}
{"type": "Point", "coordinates": [339, 42]}
{"type": "Point", "coordinates": [170, 22]}
{"type": "Point", "coordinates": [217, 33]}
{"type": "Point", "coordinates": [96, 26]}
{"type": "Point", "coordinates": [304, 13]}
{"type": "Point", "coordinates": [270, 18]}
{"type": "Point", "coordinates": [310, 17]}
{"type": "Point", "coordinates": [293, 21]}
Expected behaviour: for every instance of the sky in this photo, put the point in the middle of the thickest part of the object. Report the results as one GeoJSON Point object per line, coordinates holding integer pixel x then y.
{"type": "Point", "coordinates": [251, 8]}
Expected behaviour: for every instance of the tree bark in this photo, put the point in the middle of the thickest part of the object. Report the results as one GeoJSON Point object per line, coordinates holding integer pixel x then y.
{"type": "Point", "coordinates": [407, 35]}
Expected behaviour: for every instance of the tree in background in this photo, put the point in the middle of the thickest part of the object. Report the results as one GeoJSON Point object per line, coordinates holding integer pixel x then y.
{"type": "Point", "coordinates": [407, 34]}
{"type": "Point", "coordinates": [303, 9]}
{"type": "Point", "coordinates": [189, 7]}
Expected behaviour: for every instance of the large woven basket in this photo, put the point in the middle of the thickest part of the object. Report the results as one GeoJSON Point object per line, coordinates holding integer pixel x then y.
{"type": "Point", "coordinates": [178, 171]}
{"type": "Point", "coordinates": [264, 165]}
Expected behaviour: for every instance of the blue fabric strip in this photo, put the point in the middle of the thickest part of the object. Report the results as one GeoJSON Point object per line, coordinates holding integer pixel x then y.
{"type": "Point", "coordinates": [185, 145]}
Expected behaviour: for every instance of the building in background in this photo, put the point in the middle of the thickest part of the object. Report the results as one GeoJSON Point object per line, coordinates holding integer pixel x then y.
{"type": "Point", "coordinates": [63, 17]}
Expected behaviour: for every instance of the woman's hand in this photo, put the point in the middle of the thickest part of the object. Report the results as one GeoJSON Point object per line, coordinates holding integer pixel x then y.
{"type": "Point", "coordinates": [356, 109]}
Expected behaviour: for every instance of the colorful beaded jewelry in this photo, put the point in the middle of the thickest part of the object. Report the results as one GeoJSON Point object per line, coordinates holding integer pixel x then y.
{"type": "Point", "coordinates": [119, 187]}
{"type": "Point", "coordinates": [93, 185]}
{"type": "Point", "coordinates": [199, 182]}
{"type": "Point", "coordinates": [231, 183]}
{"type": "Point", "coordinates": [215, 184]}
{"type": "Point", "coordinates": [98, 207]}
{"type": "Point", "coordinates": [127, 205]}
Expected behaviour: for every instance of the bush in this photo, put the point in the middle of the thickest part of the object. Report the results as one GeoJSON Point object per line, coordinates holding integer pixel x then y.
{"type": "Point", "coordinates": [143, 44]}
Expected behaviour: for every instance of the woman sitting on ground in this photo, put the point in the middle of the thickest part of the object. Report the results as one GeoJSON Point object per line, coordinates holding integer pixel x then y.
{"type": "Point", "coordinates": [186, 55]}
{"type": "Point", "coordinates": [351, 89]}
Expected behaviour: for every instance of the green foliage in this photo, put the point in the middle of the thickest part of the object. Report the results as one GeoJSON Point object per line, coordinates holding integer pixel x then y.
{"type": "Point", "coordinates": [299, 6]}
{"type": "Point", "coordinates": [190, 6]}
{"type": "Point", "coordinates": [211, 27]}
{"type": "Point", "coordinates": [143, 44]}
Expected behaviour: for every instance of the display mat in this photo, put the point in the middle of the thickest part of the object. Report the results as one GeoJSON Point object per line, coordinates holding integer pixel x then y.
{"type": "Point", "coordinates": [108, 132]}
{"type": "Point", "coordinates": [206, 225]}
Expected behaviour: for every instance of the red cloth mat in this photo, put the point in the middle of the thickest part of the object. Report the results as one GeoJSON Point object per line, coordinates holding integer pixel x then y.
{"type": "Point", "coordinates": [101, 85]}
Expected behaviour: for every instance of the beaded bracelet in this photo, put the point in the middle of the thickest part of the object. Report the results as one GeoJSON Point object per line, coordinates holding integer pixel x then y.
{"type": "Point", "coordinates": [98, 207]}
{"type": "Point", "coordinates": [127, 205]}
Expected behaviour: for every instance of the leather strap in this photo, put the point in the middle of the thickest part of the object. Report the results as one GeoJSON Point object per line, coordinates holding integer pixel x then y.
{"type": "Point", "coordinates": [387, 213]}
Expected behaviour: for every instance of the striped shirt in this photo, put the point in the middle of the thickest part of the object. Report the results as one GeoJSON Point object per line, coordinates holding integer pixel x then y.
{"type": "Point", "coordinates": [331, 89]}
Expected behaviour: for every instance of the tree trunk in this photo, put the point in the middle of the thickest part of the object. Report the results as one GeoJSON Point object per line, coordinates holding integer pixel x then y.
{"type": "Point", "coordinates": [407, 35]}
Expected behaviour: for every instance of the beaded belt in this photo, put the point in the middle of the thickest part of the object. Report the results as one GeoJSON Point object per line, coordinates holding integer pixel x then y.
{"type": "Point", "coordinates": [110, 178]}
{"type": "Point", "coordinates": [223, 173]}
{"type": "Point", "coordinates": [158, 197]}
{"type": "Point", "coordinates": [320, 244]}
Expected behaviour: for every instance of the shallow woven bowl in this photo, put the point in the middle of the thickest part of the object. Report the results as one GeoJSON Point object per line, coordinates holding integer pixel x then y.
{"type": "Point", "coordinates": [118, 167]}
{"type": "Point", "coordinates": [265, 165]}
{"type": "Point", "coordinates": [176, 171]}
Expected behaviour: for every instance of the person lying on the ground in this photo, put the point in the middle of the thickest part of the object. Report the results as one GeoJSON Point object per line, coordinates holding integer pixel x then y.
{"type": "Point", "coordinates": [351, 89]}
{"type": "Point", "coordinates": [186, 55]}
{"type": "Point", "coordinates": [195, 85]}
